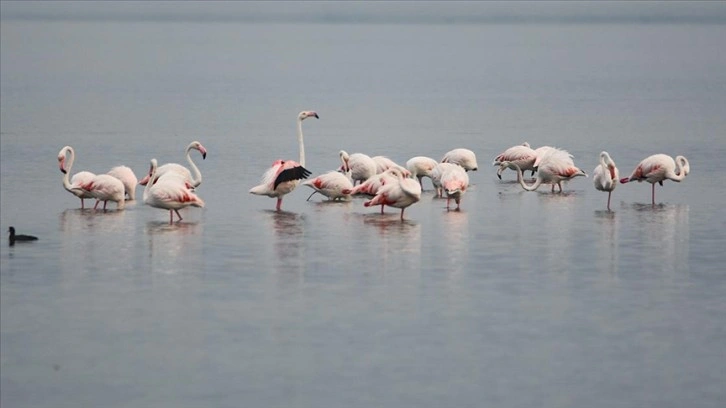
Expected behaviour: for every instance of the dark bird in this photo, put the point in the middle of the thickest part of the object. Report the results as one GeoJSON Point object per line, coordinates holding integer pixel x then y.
{"type": "Point", "coordinates": [21, 238]}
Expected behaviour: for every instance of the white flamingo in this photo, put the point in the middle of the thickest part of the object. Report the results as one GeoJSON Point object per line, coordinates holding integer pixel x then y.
{"type": "Point", "coordinates": [284, 175]}
{"type": "Point", "coordinates": [606, 175]}
{"type": "Point", "coordinates": [463, 157]}
{"type": "Point", "coordinates": [194, 177]}
{"type": "Point", "coordinates": [400, 194]}
{"type": "Point", "coordinates": [66, 156]}
{"type": "Point", "coordinates": [128, 178]}
{"type": "Point", "coordinates": [371, 186]}
{"type": "Point", "coordinates": [523, 155]}
{"type": "Point", "coordinates": [331, 184]}
{"type": "Point", "coordinates": [169, 191]}
{"type": "Point", "coordinates": [554, 167]}
{"type": "Point", "coordinates": [383, 163]}
{"type": "Point", "coordinates": [454, 182]}
{"type": "Point", "coordinates": [658, 168]}
{"type": "Point", "coordinates": [104, 187]}
{"type": "Point", "coordinates": [420, 167]}
{"type": "Point", "coordinates": [360, 166]}
{"type": "Point", "coordinates": [436, 174]}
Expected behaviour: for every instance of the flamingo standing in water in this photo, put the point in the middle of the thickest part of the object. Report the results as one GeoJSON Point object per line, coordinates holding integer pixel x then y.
{"type": "Point", "coordinates": [436, 174]}
{"type": "Point", "coordinates": [554, 167]}
{"type": "Point", "coordinates": [73, 185]}
{"type": "Point", "coordinates": [463, 157]}
{"type": "Point", "coordinates": [331, 184]}
{"type": "Point", "coordinates": [523, 155]}
{"type": "Point", "coordinates": [284, 175]}
{"type": "Point", "coordinates": [170, 191]}
{"type": "Point", "coordinates": [193, 177]}
{"type": "Point", "coordinates": [420, 167]}
{"type": "Point", "coordinates": [371, 186]}
{"type": "Point", "coordinates": [400, 193]}
{"type": "Point", "coordinates": [104, 187]}
{"type": "Point", "coordinates": [360, 166]}
{"type": "Point", "coordinates": [454, 181]}
{"type": "Point", "coordinates": [605, 176]}
{"type": "Point", "coordinates": [657, 168]}
{"type": "Point", "coordinates": [128, 178]}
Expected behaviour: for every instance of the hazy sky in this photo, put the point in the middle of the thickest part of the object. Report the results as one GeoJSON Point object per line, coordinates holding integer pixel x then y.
{"type": "Point", "coordinates": [328, 11]}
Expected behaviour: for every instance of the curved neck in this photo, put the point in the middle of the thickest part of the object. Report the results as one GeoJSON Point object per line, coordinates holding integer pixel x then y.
{"type": "Point", "coordinates": [680, 169]}
{"type": "Point", "coordinates": [300, 142]}
{"type": "Point", "coordinates": [70, 154]}
{"type": "Point", "coordinates": [520, 179]}
{"type": "Point", "coordinates": [152, 173]}
{"type": "Point", "coordinates": [196, 174]}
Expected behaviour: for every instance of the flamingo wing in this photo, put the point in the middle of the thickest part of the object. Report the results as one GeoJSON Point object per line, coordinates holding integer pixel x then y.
{"type": "Point", "coordinates": [290, 174]}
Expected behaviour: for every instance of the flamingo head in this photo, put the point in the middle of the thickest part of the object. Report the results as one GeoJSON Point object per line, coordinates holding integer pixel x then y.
{"type": "Point", "coordinates": [307, 114]}
{"type": "Point", "coordinates": [61, 164]}
{"type": "Point", "coordinates": [611, 168]}
{"type": "Point", "coordinates": [344, 157]}
{"type": "Point", "coordinates": [198, 146]}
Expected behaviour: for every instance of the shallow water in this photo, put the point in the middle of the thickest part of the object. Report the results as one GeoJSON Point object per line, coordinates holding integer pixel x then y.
{"type": "Point", "coordinates": [519, 299]}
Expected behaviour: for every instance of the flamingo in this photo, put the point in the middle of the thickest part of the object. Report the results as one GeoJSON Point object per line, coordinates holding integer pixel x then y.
{"type": "Point", "coordinates": [67, 154]}
{"type": "Point", "coordinates": [284, 175]}
{"type": "Point", "coordinates": [420, 167]}
{"type": "Point", "coordinates": [104, 187]}
{"type": "Point", "coordinates": [331, 184]}
{"type": "Point", "coordinates": [605, 176]}
{"type": "Point", "coordinates": [22, 238]}
{"type": "Point", "coordinates": [463, 157]}
{"type": "Point", "coordinates": [360, 166]}
{"type": "Point", "coordinates": [128, 178]}
{"type": "Point", "coordinates": [371, 186]}
{"type": "Point", "coordinates": [169, 191]}
{"type": "Point", "coordinates": [657, 168]}
{"type": "Point", "coordinates": [436, 174]}
{"type": "Point", "coordinates": [383, 163]}
{"type": "Point", "coordinates": [400, 194]}
{"type": "Point", "coordinates": [194, 177]}
{"type": "Point", "coordinates": [454, 181]}
{"type": "Point", "coordinates": [555, 166]}
{"type": "Point", "coordinates": [523, 155]}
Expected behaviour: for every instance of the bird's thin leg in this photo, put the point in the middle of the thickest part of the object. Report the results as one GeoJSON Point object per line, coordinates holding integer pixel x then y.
{"type": "Point", "coordinates": [382, 208]}
{"type": "Point", "coordinates": [560, 186]}
{"type": "Point", "coordinates": [177, 214]}
{"type": "Point", "coordinates": [652, 194]}
{"type": "Point", "coordinates": [311, 195]}
{"type": "Point", "coordinates": [447, 202]}
{"type": "Point", "coordinates": [279, 203]}
{"type": "Point", "coordinates": [104, 205]}
{"type": "Point", "coordinates": [96, 205]}
{"type": "Point", "coordinates": [553, 188]}
{"type": "Point", "coordinates": [420, 183]}
{"type": "Point", "coordinates": [82, 205]}
{"type": "Point", "coordinates": [171, 217]}
{"type": "Point", "coordinates": [402, 213]}
{"type": "Point", "coordinates": [609, 193]}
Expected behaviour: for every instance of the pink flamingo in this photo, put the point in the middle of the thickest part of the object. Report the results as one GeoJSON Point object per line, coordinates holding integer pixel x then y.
{"type": "Point", "coordinates": [331, 184]}
{"type": "Point", "coordinates": [554, 167]}
{"type": "Point", "coordinates": [420, 167]}
{"type": "Point", "coordinates": [400, 194]}
{"type": "Point", "coordinates": [436, 174]}
{"type": "Point", "coordinates": [106, 188]}
{"type": "Point", "coordinates": [523, 155]}
{"type": "Point", "coordinates": [371, 186]}
{"type": "Point", "coordinates": [657, 168]}
{"type": "Point", "coordinates": [169, 191]}
{"type": "Point", "coordinates": [360, 166]}
{"type": "Point", "coordinates": [463, 157]}
{"type": "Point", "coordinates": [128, 178]}
{"type": "Point", "coordinates": [454, 181]}
{"type": "Point", "coordinates": [73, 185]}
{"type": "Point", "coordinates": [284, 175]}
{"type": "Point", "coordinates": [605, 176]}
{"type": "Point", "coordinates": [194, 177]}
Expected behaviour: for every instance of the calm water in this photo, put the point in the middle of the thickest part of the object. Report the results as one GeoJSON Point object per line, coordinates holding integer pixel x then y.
{"type": "Point", "coordinates": [520, 299]}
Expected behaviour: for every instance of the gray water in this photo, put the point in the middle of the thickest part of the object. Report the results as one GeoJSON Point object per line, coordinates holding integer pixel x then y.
{"type": "Point", "coordinates": [520, 299]}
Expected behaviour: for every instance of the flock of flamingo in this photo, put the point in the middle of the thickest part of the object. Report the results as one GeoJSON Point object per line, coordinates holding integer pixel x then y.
{"type": "Point", "coordinates": [172, 186]}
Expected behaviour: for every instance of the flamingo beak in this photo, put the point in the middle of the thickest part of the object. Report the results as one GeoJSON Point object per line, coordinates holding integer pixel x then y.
{"type": "Point", "coordinates": [612, 172]}
{"type": "Point", "coordinates": [204, 152]}
{"type": "Point", "coordinates": [316, 115]}
{"type": "Point", "coordinates": [61, 163]}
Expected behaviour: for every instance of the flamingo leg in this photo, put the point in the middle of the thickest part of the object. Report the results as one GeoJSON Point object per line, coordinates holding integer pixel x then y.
{"type": "Point", "coordinates": [104, 205]}
{"type": "Point", "coordinates": [447, 202]}
{"type": "Point", "coordinates": [171, 217]}
{"type": "Point", "coordinates": [96, 205]}
{"type": "Point", "coordinates": [177, 214]}
{"type": "Point", "coordinates": [609, 193]}
{"type": "Point", "coordinates": [82, 204]}
{"type": "Point", "coordinates": [560, 186]}
{"type": "Point", "coordinates": [382, 209]}
{"type": "Point", "coordinates": [279, 203]}
{"type": "Point", "coordinates": [652, 194]}
{"type": "Point", "coordinates": [402, 213]}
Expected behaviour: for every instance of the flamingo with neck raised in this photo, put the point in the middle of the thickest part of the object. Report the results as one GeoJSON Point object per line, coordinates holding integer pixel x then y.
{"type": "Point", "coordinates": [66, 156]}
{"type": "Point", "coordinates": [285, 175]}
{"type": "Point", "coordinates": [658, 168]}
{"type": "Point", "coordinates": [605, 176]}
{"type": "Point", "coordinates": [169, 191]}
{"type": "Point", "coordinates": [193, 177]}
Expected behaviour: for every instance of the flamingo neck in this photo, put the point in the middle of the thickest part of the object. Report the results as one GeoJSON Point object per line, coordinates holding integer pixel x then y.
{"type": "Point", "coordinates": [682, 167]}
{"type": "Point", "coordinates": [300, 142]}
{"type": "Point", "coordinates": [520, 179]}
{"type": "Point", "coordinates": [196, 174]}
{"type": "Point", "coordinates": [152, 173]}
{"type": "Point", "coordinates": [67, 176]}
